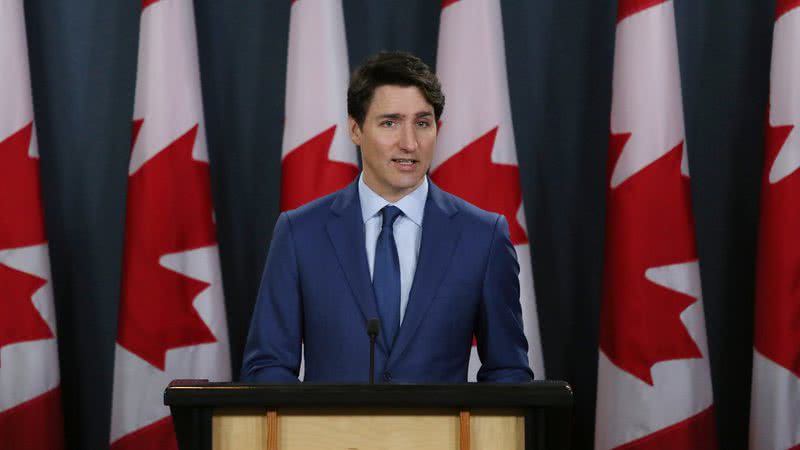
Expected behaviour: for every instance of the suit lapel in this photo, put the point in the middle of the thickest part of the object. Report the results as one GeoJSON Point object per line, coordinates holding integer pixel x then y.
{"type": "Point", "coordinates": [346, 231]}
{"type": "Point", "coordinates": [439, 237]}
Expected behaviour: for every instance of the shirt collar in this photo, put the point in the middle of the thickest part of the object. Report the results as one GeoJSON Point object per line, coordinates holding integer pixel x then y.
{"type": "Point", "coordinates": [412, 204]}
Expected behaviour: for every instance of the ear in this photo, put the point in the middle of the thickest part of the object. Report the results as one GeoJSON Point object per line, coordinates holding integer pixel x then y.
{"type": "Point", "coordinates": [355, 130]}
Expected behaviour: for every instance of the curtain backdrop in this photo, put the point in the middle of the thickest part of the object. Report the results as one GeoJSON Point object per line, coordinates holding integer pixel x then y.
{"type": "Point", "coordinates": [559, 54]}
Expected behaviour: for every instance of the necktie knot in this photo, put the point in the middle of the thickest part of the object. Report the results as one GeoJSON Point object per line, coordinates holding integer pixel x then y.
{"type": "Point", "coordinates": [390, 214]}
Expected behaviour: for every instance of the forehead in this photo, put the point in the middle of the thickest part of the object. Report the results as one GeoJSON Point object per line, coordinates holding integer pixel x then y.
{"type": "Point", "coordinates": [391, 99]}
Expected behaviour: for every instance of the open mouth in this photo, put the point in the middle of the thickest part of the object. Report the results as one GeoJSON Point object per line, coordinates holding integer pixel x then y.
{"type": "Point", "coordinates": [404, 162]}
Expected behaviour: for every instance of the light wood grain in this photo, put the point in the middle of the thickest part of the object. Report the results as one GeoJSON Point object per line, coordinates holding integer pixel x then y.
{"type": "Point", "coordinates": [238, 429]}
{"type": "Point", "coordinates": [497, 429]}
{"type": "Point", "coordinates": [366, 429]}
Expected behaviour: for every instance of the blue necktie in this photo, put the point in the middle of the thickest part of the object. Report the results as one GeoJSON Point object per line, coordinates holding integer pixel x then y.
{"type": "Point", "coordinates": [386, 275]}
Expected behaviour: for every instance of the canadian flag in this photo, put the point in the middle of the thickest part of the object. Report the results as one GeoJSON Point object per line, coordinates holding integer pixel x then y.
{"type": "Point", "coordinates": [172, 315]}
{"type": "Point", "coordinates": [30, 395]}
{"type": "Point", "coordinates": [476, 157]}
{"type": "Point", "coordinates": [654, 384]}
{"type": "Point", "coordinates": [775, 405]}
{"type": "Point", "coordinates": [318, 156]}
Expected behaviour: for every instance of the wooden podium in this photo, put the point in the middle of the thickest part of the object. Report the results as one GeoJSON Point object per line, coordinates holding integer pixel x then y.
{"type": "Point", "coordinates": [234, 416]}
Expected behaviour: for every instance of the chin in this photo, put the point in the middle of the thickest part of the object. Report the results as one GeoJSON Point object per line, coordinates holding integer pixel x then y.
{"type": "Point", "coordinates": [407, 182]}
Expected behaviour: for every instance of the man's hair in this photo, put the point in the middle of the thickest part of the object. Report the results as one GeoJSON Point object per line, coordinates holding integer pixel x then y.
{"type": "Point", "coordinates": [396, 69]}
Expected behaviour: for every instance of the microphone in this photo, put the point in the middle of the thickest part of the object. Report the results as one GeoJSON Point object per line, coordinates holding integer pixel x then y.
{"type": "Point", "coordinates": [373, 328]}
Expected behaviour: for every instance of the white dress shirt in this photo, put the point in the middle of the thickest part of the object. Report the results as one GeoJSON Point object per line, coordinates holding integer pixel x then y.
{"type": "Point", "coordinates": [407, 231]}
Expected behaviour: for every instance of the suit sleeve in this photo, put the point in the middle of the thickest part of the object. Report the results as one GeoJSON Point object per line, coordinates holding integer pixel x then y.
{"type": "Point", "coordinates": [502, 345]}
{"type": "Point", "coordinates": [273, 350]}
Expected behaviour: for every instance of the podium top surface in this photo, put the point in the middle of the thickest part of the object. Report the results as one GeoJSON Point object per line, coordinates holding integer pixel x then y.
{"type": "Point", "coordinates": [198, 393]}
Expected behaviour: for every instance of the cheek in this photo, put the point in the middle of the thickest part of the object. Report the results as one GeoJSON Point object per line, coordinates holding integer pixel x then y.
{"type": "Point", "coordinates": [382, 147]}
{"type": "Point", "coordinates": [427, 137]}
{"type": "Point", "coordinates": [427, 147]}
{"type": "Point", "coordinates": [373, 152]}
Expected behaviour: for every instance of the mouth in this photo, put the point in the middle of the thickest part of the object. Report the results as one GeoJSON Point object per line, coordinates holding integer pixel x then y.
{"type": "Point", "coordinates": [405, 164]}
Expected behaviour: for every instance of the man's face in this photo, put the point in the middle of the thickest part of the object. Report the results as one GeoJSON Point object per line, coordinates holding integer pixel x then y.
{"type": "Point", "coordinates": [396, 140]}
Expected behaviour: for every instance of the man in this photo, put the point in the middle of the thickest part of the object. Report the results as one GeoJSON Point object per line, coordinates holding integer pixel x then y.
{"type": "Point", "coordinates": [440, 270]}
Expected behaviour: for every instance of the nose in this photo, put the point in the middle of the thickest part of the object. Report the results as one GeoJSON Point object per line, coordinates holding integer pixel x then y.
{"type": "Point", "coordinates": [408, 139]}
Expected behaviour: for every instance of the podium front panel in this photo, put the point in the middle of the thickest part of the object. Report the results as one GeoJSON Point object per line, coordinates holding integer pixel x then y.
{"type": "Point", "coordinates": [368, 429]}
{"type": "Point", "coordinates": [227, 416]}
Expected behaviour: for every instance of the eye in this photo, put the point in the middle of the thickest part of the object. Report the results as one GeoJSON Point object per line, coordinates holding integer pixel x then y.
{"type": "Point", "coordinates": [388, 123]}
{"type": "Point", "coordinates": [423, 124]}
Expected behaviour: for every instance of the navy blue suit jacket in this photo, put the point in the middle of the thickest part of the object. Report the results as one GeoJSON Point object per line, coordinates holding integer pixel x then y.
{"type": "Point", "coordinates": [316, 289]}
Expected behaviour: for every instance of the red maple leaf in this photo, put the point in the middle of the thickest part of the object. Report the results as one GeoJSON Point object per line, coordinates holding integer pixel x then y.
{"type": "Point", "coordinates": [784, 6]}
{"type": "Point", "coordinates": [146, 3]}
{"type": "Point", "coordinates": [649, 224]}
{"type": "Point", "coordinates": [21, 222]}
{"type": "Point", "coordinates": [169, 211]}
{"type": "Point", "coordinates": [308, 173]}
{"type": "Point", "coordinates": [778, 281]}
{"type": "Point", "coordinates": [21, 225]}
{"type": "Point", "coordinates": [19, 320]}
{"type": "Point", "coordinates": [471, 175]}
{"type": "Point", "coordinates": [627, 8]}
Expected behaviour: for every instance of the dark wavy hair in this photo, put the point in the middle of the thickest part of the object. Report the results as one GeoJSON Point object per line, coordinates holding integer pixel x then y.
{"type": "Point", "coordinates": [391, 68]}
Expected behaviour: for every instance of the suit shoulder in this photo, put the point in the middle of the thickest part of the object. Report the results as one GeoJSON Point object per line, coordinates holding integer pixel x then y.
{"type": "Point", "coordinates": [312, 211]}
{"type": "Point", "coordinates": [470, 212]}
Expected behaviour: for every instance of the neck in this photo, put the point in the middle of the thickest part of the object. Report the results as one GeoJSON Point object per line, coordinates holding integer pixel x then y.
{"type": "Point", "coordinates": [390, 195]}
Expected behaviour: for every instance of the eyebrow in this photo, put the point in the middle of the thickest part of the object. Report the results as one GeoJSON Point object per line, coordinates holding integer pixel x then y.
{"type": "Point", "coordinates": [418, 115]}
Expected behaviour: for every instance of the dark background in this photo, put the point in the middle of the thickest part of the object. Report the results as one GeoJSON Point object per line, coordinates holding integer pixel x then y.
{"type": "Point", "coordinates": [559, 55]}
